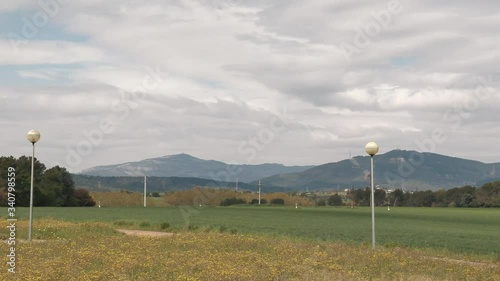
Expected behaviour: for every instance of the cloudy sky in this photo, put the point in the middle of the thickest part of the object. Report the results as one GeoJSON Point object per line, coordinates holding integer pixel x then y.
{"type": "Point", "coordinates": [286, 81]}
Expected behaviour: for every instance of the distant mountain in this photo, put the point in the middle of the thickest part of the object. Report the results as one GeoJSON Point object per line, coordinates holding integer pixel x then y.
{"type": "Point", "coordinates": [184, 165]}
{"type": "Point", "coordinates": [398, 168]}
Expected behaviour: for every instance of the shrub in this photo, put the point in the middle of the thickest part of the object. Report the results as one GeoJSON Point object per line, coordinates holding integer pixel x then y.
{"type": "Point", "coordinates": [277, 201]}
{"type": "Point", "coordinates": [145, 224]}
{"type": "Point", "coordinates": [82, 198]}
{"type": "Point", "coordinates": [232, 201]}
{"type": "Point", "coordinates": [164, 225]}
{"type": "Point", "coordinates": [256, 201]}
{"type": "Point", "coordinates": [192, 227]}
{"type": "Point", "coordinates": [122, 223]}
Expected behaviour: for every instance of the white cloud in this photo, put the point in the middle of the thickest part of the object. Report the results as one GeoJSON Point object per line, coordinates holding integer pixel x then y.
{"type": "Point", "coordinates": [227, 68]}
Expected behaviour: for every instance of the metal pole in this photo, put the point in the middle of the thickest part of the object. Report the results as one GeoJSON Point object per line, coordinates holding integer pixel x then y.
{"type": "Point", "coordinates": [373, 206]}
{"type": "Point", "coordinates": [259, 192]}
{"type": "Point", "coordinates": [144, 191]}
{"type": "Point", "coordinates": [31, 193]}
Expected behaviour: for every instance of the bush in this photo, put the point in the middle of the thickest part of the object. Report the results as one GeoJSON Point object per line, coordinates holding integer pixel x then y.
{"type": "Point", "coordinates": [277, 201]}
{"type": "Point", "coordinates": [232, 201]}
{"type": "Point", "coordinates": [82, 198]}
{"type": "Point", "coordinates": [192, 227]}
{"type": "Point", "coordinates": [256, 201]}
{"type": "Point", "coordinates": [164, 225]}
{"type": "Point", "coordinates": [144, 224]}
{"type": "Point", "coordinates": [122, 223]}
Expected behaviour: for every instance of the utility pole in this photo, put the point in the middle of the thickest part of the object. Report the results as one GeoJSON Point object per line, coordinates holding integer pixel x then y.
{"type": "Point", "coordinates": [259, 191]}
{"type": "Point", "coordinates": [144, 191]}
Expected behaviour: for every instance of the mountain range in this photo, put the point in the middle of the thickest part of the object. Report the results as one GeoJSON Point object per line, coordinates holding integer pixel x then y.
{"type": "Point", "coordinates": [395, 169]}
{"type": "Point", "coordinates": [184, 165]}
{"type": "Point", "coordinates": [410, 170]}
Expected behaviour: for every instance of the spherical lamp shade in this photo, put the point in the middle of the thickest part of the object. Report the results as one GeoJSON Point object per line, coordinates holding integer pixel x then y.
{"type": "Point", "coordinates": [371, 148]}
{"type": "Point", "coordinates": [33, 136]}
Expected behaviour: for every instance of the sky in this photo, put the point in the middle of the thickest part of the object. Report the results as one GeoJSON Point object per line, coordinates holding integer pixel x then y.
{"type": "Point", "coordinates": [248, 82]}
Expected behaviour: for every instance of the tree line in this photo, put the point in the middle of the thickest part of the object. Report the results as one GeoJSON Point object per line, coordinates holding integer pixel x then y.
{"type": "Point", "coordinates": [52, 187]}
{"type": "Point", "coordinates": [486, 196]}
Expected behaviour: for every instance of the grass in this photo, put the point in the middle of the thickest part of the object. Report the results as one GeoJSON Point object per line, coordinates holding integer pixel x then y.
{"type": "Point", "coordinates": [452, 230]}
{"type": "Point", "coordinates": [94, 251]}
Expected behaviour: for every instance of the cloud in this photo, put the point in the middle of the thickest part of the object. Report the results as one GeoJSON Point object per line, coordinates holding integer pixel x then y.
{"type": "Point", "coordinates": [228, 68]}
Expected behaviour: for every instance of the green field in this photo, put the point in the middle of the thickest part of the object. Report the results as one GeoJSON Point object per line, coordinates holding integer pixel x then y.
{"type": "Point", "coordinates": [465, 231]}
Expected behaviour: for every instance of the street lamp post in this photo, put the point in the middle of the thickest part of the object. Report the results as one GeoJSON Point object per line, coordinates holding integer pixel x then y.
{"type": "Point", "coordinates": [33, 136]}
{"type": "Point", "coordinates": [372, 148]}
{"type": "Point", "coordinates": [259, 192]}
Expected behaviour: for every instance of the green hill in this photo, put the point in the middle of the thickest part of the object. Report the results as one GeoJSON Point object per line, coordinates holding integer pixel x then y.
{"type": "Point", "coordinates": [184, 165]}
{"type": "Point", "coordinates": [395, 169]}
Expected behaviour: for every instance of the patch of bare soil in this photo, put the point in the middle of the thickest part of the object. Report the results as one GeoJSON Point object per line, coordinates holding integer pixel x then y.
{"type": "Point", "coordinates": [484, 264]}
{"type": "Point", "coordinates": [144, 233]}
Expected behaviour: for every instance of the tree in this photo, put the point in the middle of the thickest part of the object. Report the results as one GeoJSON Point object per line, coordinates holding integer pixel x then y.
{"type": "Point", "coordinates": [488, 195]}
{"type": "Point", "coordinates": [52, 187]}
{"type": "Point", "coordinates": [423, 198]}
{"type": "Point", "coordinates": [460, 196]}
{"type": "Point", "coordinates": [22, 167]}
{"type": "Point", "coordinates": [362, 196]}
{"type": "Point", "coordinates": [335, 200]}
{"type": "Point", "coordinates": [58, 187]}
{"type": "Point", "coordinates": [379, 197]}
{"type": "Point", "coordinates": [397, 198]}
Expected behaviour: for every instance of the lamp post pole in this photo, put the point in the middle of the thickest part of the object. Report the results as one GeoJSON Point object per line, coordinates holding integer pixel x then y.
{"type": "Point", "coordinates": [372, 149]}
{"type": "Point", "coordinates": [145, 191]}
{"type": "Point", "coordinates": [33, 136]}
{"type": "Point", "coordinates": [373, 204]}
{"type": "Point", "coordinates": [259, 192]}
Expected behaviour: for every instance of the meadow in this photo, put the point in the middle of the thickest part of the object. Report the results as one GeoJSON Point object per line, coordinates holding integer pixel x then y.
{"type": "Point", "coordinates": [453, 230]}
{"type": "Point", "coordinates": [95, 251]}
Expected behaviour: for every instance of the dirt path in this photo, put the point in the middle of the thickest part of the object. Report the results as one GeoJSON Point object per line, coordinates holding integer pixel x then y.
{"type": "Point", "coordinates": [144, 233]}
{"type": "Point", "coordinates": [474, 263]}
